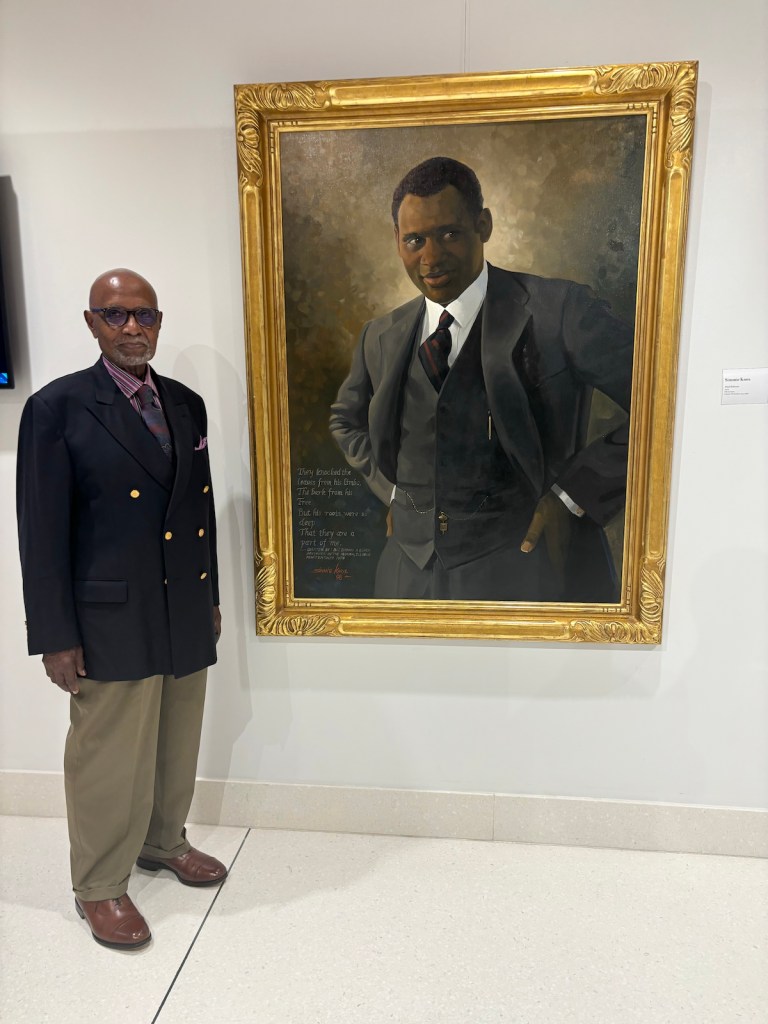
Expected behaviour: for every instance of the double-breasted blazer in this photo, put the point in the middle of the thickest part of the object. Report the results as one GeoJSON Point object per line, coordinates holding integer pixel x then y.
{"type": "Point", "coordinates": [118, 545]}
{"type": "Point", "coordinates": [545, 344]}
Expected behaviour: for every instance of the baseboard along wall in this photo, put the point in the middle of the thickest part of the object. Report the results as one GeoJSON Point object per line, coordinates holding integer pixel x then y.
{"type": "Point", "coordinates": [551, 820]}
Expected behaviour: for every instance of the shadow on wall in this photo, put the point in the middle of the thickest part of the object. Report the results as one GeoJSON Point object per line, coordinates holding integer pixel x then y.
{"type": "Point", "coordinates": [230, 701]}
{"type": "Point", "coordinates": [12, 401]}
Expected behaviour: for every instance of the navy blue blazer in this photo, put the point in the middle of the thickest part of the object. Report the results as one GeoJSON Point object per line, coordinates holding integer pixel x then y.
{"type": "Point", "coordinates": [118, 546]}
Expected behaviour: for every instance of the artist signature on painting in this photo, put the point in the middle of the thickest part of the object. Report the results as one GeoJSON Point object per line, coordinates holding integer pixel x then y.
{"type": "Point", "coordinates": [337, 572]}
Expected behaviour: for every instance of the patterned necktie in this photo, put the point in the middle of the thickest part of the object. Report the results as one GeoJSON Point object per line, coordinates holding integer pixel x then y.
{"type": "Point", "coordinates": [434, 351]}
{"type": "Point", "coordinates": [154, 418]}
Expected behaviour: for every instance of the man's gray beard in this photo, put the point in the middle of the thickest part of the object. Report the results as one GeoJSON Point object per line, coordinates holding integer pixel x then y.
{"type": "Point", "coordinates": [127, 361]}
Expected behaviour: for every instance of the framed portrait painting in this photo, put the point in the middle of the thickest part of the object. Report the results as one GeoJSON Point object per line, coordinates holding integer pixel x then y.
{"type": "Point", "coordinates": [462, 300]}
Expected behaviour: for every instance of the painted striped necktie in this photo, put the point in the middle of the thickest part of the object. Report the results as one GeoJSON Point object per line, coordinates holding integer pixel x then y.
{"type": "Point", "coordinates": [154, 418]}
{"type": "Point", "coordinates": [434, 351]}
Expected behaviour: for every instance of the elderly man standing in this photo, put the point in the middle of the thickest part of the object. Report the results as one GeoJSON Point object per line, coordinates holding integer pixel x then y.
{"type": "Point", "coordinates": [118, 549]}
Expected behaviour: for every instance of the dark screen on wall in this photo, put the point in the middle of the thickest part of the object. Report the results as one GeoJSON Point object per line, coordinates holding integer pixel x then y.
{"type": "Point", "coordinates": [6, 371]}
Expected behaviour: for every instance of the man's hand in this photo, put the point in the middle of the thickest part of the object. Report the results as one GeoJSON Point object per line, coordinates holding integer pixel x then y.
{"type": "Point", "coordinates": [64, 667]}
{"type": "Point", "coordinates": [552, 519]}
{"type": "Point", "coordinates": [216, 622]}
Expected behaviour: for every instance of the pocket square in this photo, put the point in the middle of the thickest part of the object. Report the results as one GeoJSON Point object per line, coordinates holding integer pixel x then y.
{"type": "Point", "coordinates": [202, 443]}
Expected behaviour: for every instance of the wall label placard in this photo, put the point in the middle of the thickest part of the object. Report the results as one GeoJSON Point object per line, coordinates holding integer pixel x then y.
{"type": "Point", "coordinates": [745, 387]}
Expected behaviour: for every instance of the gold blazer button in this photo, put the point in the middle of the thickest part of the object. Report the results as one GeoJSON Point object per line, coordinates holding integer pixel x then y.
{"type": "Point", "coordinates": [135, 493]}
{"type": "Point", "coordinates": [201, 533]}
{"type": "Point", "coordinates": [203, 575]}
{"type": "Point", "coordinates": [168, 534]}
{"type": "Point", "coordinates": [206, 489]}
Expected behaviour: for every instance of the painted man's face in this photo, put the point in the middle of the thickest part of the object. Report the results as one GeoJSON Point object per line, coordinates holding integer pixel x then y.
{"type": "Point", "coordinates": [441, 243]}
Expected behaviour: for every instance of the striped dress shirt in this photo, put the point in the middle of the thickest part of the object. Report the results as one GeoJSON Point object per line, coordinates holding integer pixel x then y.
{"type": "Point", "coordinates": [129, 384]}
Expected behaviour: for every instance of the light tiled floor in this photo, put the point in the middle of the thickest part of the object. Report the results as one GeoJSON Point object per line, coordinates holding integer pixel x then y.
{"type": "Point", "coordinates": [313, 928]}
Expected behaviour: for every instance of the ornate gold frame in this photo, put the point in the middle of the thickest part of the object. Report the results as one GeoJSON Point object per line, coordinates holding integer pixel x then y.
{"type": "Point", "coordinates": [665, 93]}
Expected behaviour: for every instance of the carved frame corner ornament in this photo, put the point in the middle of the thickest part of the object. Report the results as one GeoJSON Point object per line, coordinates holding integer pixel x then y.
{"type": "Point", "coordinates": [677, 81]}
{"type": "Point", "coordinates": [253, 103]}
{"type": "Point", "coordinates": [643, 630]}
{"type": "Point", "coordinates": [682, 116]}
{"type": "Point", "coordinates": [270, 620]}
{"type": "Point", "coordinates": [300, 625]}
{"type": "Point", "coordinates": [248, 133]}
{"type": "Point", "coordinates": [664, 93]}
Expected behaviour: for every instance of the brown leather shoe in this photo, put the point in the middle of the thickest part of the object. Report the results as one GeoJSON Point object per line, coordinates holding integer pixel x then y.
{"type": "Point", "coordinates": [116, 923]}
{"type": "Point", "coordinates": [191, 868]}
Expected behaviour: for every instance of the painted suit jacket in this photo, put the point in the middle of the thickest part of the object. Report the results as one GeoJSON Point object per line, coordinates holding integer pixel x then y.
{"type": "Point", "coordinates": [545, 345]}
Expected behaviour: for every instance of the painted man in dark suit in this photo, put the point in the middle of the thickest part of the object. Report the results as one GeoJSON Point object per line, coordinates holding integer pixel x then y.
{"type": "Point", "coordinates": [118, 549]}
{"type": "Point", "coordinates": [467, 414]}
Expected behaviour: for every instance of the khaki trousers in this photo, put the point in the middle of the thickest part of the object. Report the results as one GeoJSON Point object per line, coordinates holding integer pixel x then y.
{"type": "Point", "coordinates": [129, 775]}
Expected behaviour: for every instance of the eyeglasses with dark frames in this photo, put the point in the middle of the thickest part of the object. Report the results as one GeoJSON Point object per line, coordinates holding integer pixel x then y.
{"type": "Point", "coordinates": [117, 316]}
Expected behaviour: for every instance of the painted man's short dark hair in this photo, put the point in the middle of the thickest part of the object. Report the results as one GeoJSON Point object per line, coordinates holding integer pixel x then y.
{"type": "Point", "coordinates": [432, 176]}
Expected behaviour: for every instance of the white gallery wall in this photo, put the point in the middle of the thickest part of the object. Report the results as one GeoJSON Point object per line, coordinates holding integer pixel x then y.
{"type": "Point", "coordinates": [118, 148]}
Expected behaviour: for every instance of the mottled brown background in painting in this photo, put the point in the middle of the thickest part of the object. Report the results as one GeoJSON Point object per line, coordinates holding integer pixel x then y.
{"type": "Point", "coordinates": [566, 201]}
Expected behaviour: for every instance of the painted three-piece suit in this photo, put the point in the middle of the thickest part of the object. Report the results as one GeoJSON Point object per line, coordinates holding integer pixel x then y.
{"type": "Point", "coordinates": [463, 469]}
